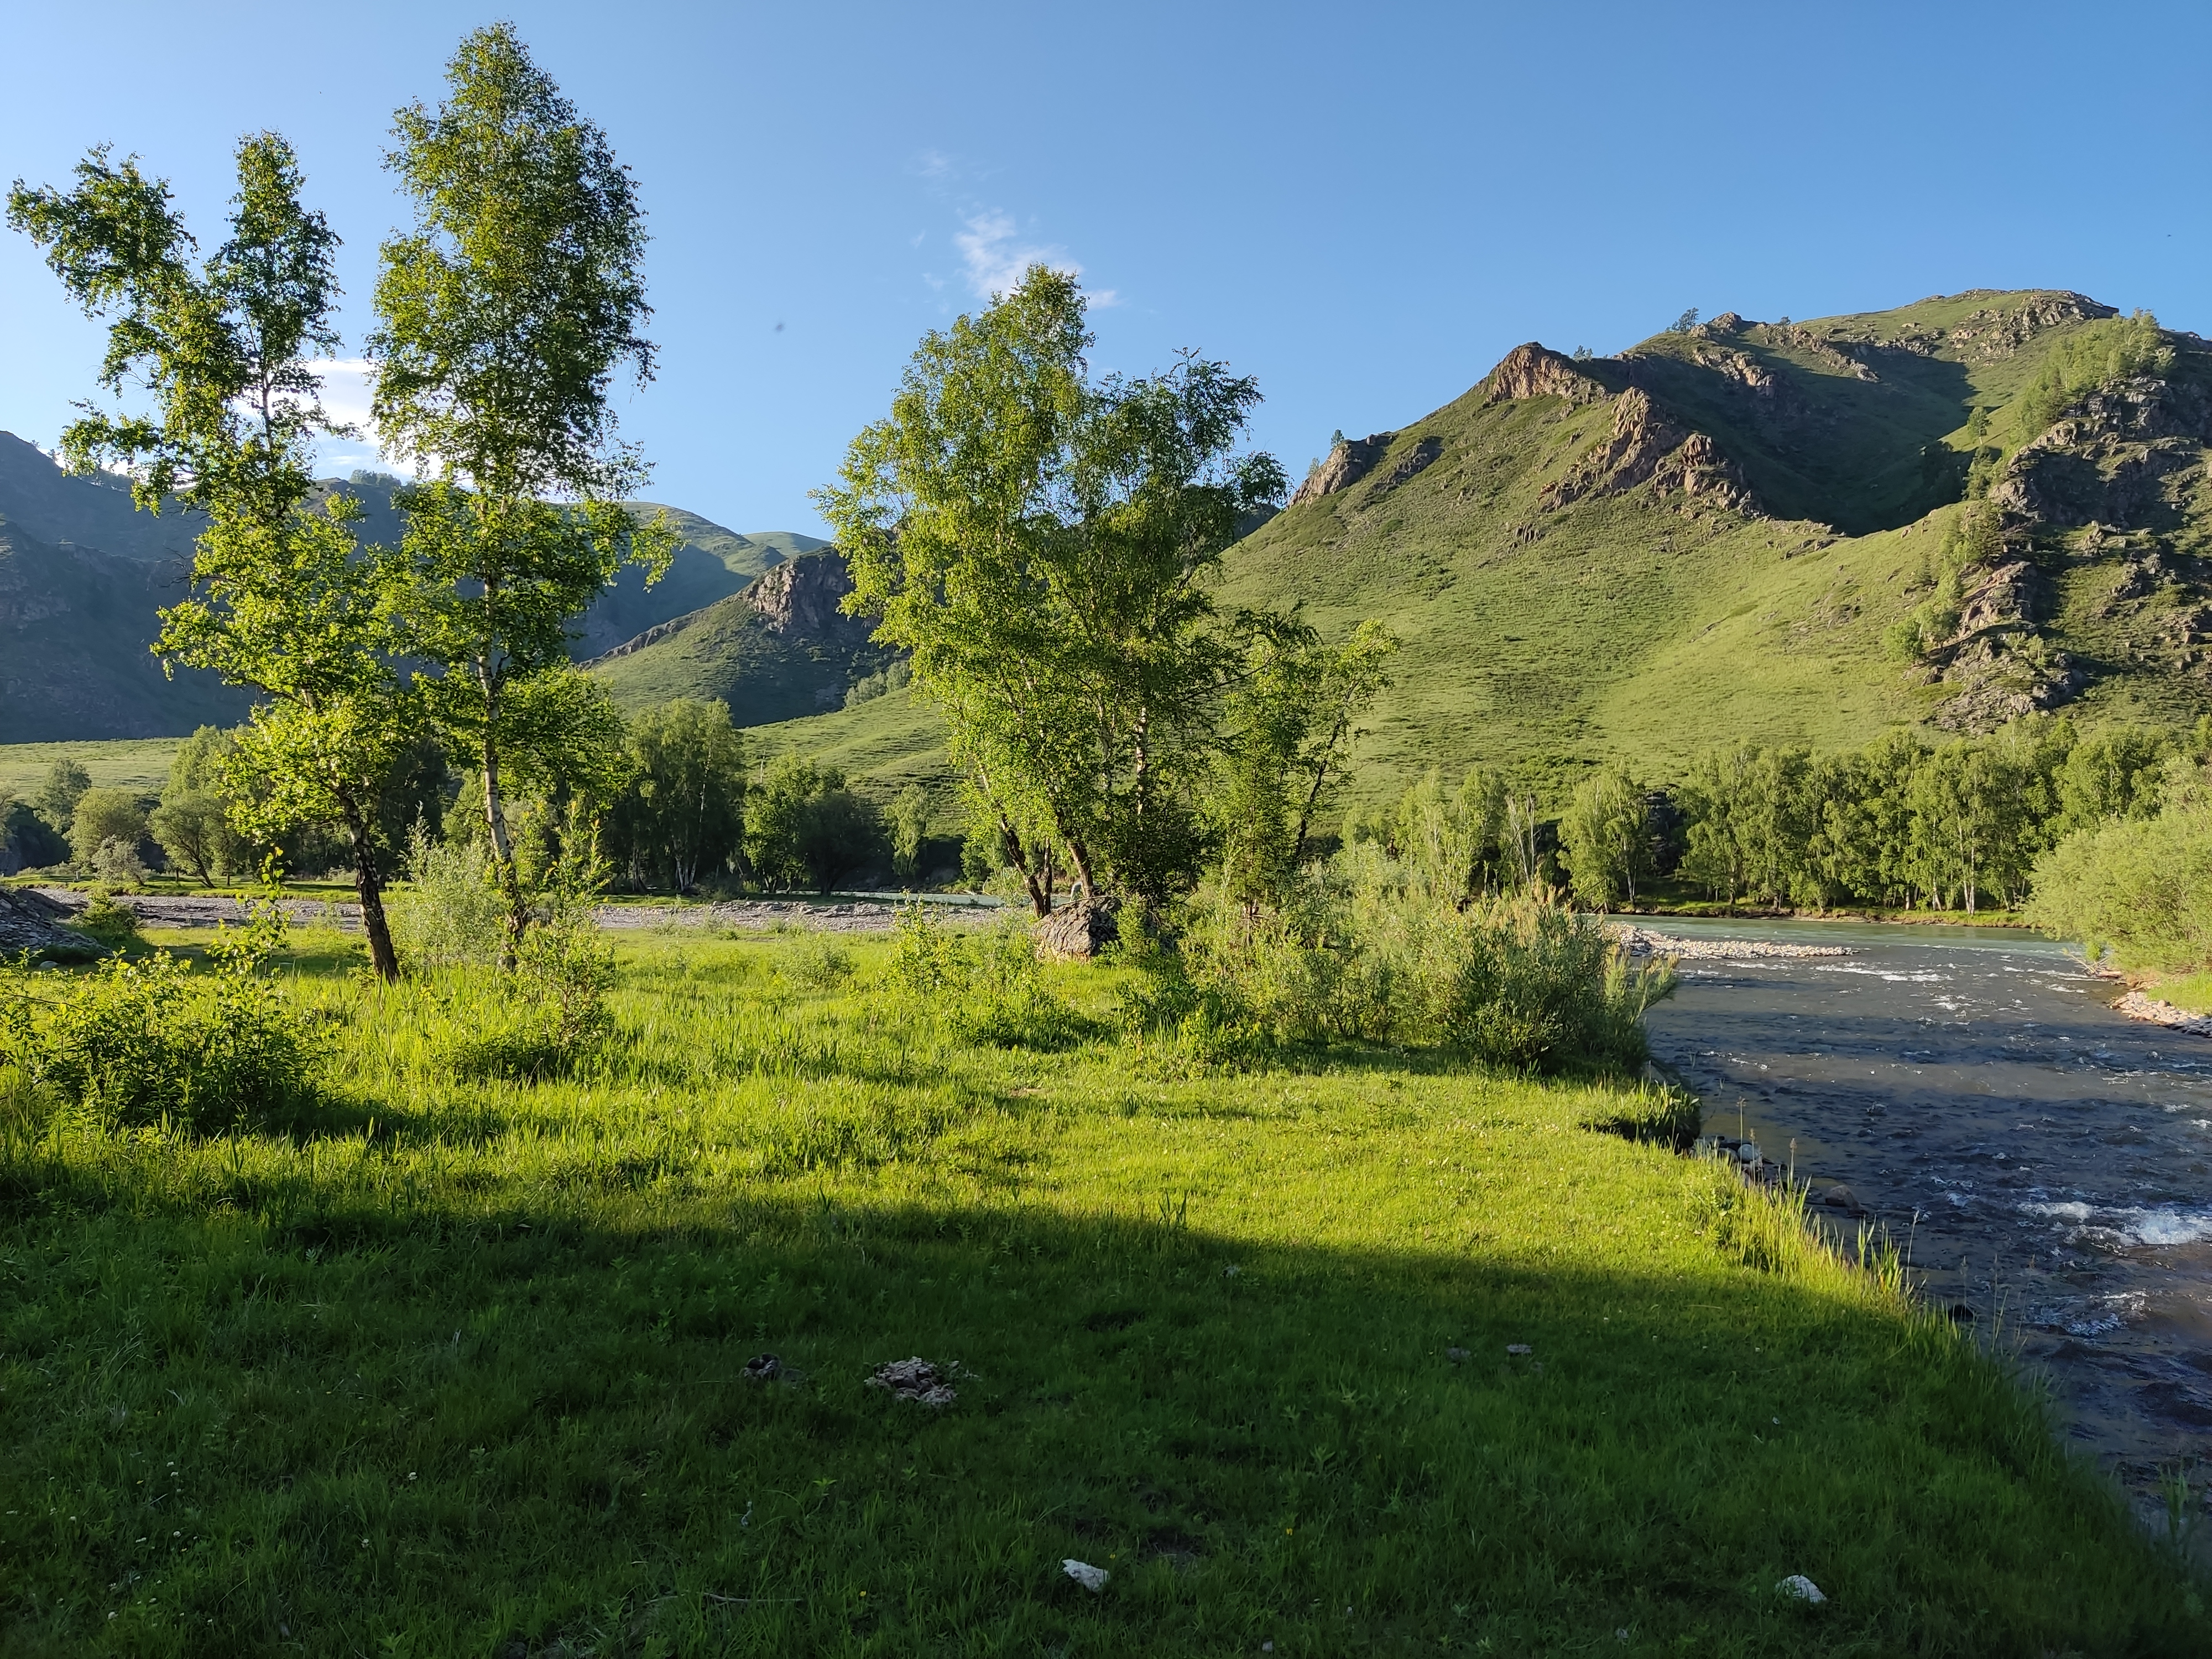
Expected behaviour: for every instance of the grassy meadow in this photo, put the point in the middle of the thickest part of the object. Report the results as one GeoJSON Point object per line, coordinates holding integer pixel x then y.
{"type": "Point", "coordinates": [1353, 1355]}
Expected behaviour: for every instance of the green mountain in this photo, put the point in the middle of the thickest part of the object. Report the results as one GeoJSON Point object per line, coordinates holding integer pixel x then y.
{"type": "Point", "coordinates": [1941, 517]}
{"type": "Point", "coordinates": [82, 574]}
{"type": "Point", "coordinates": [75, 629]}
{"type": "Point", "coordinates": [778, 650]}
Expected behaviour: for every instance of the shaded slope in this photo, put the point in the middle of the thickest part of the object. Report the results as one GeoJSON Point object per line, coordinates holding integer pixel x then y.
{"type": "Point", "coordinates": [778, 650]}
{"type": "Point", "coordinates": [87, 572]}
{"type": "Point", "coordinates": [75, 629]}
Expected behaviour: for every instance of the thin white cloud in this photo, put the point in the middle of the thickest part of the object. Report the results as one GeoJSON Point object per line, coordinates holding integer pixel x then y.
{"type": "Point", "coordinates": [346, 392]}
{"type": "Point", "coordinates": [933, 164]}
{"type": "Point", "coordinates": [992, 249]}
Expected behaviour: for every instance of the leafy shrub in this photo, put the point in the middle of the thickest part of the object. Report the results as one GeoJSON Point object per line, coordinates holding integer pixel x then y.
{"type": "Point", "coordinates": [989, 988]}
{"type": "Point", "coordinates": [116, 863]}
{"type": "Point", "coordinates": [549, 1018]}
{"type": "Point", "coordinates": [452, 914]}
{"type": "Point", "coordinates": [152, 1039]}
{"type": "Point", "coordinates": [1358, 950]}
{"type": "Point", "coordinates": [110, 924]}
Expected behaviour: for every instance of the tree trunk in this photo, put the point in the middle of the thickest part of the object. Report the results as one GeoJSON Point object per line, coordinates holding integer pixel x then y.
{"type": "Point", "coordinates": [1017, 856]}
{"type": "Point", "coordinates": [503, 846]}
{"type": "Point", "coordinates": [368, 887]}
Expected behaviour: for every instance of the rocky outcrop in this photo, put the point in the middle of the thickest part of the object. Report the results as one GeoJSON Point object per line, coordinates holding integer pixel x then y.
{"type": "Point", "coordinates": [2008, 597]}
{"type": "Point", "coordinates": [1994, 332]}
{"type": "Point", "coordinates": [801, 597]}
{"type": "Point", "coordinates": [1421, 455]}
{"type": "Point", "coordinates": [1645, 446]}
{"type": "Point", "coordinates": [1350, 461]}
{"type": "Point", "coordinates": [2114, 459]}
{"type": "Point", "coordinates": [1536, 371]}
{"type": "Point", "coordinates": [797, 599]}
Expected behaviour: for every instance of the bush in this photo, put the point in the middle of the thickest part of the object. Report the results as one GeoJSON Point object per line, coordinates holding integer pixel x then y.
{"type": "Point", "coordinates": [115, 926]}
{"type": "Point", "coordinates": [1359, 950]}
{"type": "Point", "coordinates": [548, 1020]}
{"type": "Point", "coordinates": [989, 988]}
{"type": "Point", "coordinates": [817, 961]}
{"type": "Point", "coordinates": [117, 864]}
{"type": "Point", "coordinates": [155, 1041]}
{"type": "Point", "coordinates": [452, 914]}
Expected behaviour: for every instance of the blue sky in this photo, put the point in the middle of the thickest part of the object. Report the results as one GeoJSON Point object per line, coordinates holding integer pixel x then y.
{"type": "Point", "coordinates": [1363, 206]}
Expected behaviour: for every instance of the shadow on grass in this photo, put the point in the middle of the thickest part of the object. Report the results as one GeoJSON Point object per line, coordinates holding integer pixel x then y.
{"type": "Point", "coordinates": [398, 1423]}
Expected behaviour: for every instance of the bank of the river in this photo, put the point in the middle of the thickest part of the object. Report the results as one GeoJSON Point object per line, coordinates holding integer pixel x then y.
{"type": "Point", "coordinates": [2047, 1161]}
{"type": "Point", "coordinates": [1360, 1354]}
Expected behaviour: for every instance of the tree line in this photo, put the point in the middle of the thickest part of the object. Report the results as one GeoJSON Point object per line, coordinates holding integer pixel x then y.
{"type": "Point", "coordinates": [686, 811]}
{"type": "Point", "coordinates": [1900, 824]}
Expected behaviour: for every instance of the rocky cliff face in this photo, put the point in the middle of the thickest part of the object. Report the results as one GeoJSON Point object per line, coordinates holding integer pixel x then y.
{"type": "Point", "coordinates": [1350, 461]}
{"type": "Point", "coordinates": [1645, 446]}
{"type": "Point", "coordinates": [1534, 371]}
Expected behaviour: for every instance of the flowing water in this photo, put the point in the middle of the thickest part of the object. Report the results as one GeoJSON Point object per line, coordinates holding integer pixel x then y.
{"type": "Point", "coordinates": [2048, 1161]}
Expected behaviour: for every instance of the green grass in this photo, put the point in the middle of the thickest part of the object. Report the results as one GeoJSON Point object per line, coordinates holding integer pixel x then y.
{"type": "Point", "coordinates": [141, 763]}
{"type": "Point", "coordinates": [459, 1369]}
{"type": "Point", "coordinates": [2191, 993]}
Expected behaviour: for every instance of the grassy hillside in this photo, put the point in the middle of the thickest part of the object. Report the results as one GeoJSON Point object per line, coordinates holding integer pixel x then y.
{"type": "Point", "coordinates": [75, 629]}
{"type": "Point", "coordinates": [140, 764]}
{"type": "Point", "coordinates": [82, 574]}
{"type": "Point", "coordinates": [1708, 537]}
{"type": "Point", "coordinates": [779, 650]}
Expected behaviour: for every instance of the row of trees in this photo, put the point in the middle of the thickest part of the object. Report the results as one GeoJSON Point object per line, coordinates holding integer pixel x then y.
{"type": "Point", "coordinates": [1899, 824]}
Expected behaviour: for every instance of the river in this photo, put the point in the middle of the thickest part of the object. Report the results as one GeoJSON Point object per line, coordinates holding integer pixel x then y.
{"type": "Point", "coordinates": [2048, 1161]}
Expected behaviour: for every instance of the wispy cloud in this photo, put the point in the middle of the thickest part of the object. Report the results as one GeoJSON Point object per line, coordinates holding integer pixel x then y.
{"type": "Point", "coordinates": [346, 391]}
{"type": "Point", "coordinates": [996, 255]}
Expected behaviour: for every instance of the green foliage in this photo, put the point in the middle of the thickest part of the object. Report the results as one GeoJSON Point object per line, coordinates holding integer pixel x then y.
{"type": "Point", "coordinates": [1899, 824]}
{"type": "Point", "coordinates": [1365, 950]}
{"type": "Point", "coordinates": [66, 783]}
{"type": "Point", "coordinates": [880, 683]}
{"type": "Point", "coordinates": [155, 1042]}
{"type": "Point", "coordinates": [503, 318]}
{"type": "Point", "coordinates": [103, 816]}
{"type": "Point", "coordinates": [1285, 746]}
{"type": "Point", "coordinates": [986, 984]}
{"type": "Point", "coordinates": [681, 818]}
{"type": "Point", "coordinates": [2139, 887]}
{"type": "Point", "coordinates": [548, 1017]}
{"type": "Point", "coordinates": [908, 821]}
{"type": "Point", "coordinates": [107, 921]}
{"type": "Point", "coordinates": [192, 823]}
{"type": "Point", "coordinates": [283, 598]}
{"type": "Point", "coordinates": [1042, 543]}
{"type": "Point", "coordinates": [1606, 832]}
{"type": "Point", "coordinates": [803, 828]}
{"type": "Point", "coordinates": [452, 912]}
